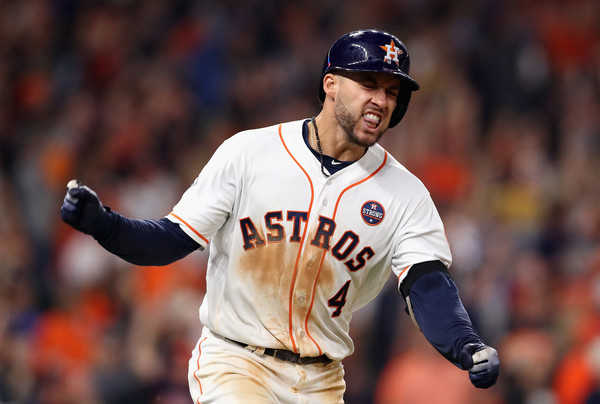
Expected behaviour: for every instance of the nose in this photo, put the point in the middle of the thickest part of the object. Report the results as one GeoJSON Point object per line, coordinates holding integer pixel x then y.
{"type": "Point", "coordinates": [380, 97]}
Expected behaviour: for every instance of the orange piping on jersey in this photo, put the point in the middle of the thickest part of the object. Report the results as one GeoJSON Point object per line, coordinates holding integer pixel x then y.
{"type": "Point", "coordinates": [312, 300]}
{"type": "Point", "coordinates": [189, 227]}
{"type": "Point", "coordinates": [303, 239]}
{"type": "Point", "coordinates": [401, 272]}
{"type": "Point", "coordinates": [198, 368]}
{"type": "Point", "coordinates": [358, 183]}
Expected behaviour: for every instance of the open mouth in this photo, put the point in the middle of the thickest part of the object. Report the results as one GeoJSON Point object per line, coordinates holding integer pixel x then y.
{"type": "Point", "coordinates": [371, 120]}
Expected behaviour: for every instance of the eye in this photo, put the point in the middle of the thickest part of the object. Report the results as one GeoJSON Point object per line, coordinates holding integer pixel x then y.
{"type": "Point", "coordinates": [368, 85]}
{"type": "Point", "coordinates": [392, 92]}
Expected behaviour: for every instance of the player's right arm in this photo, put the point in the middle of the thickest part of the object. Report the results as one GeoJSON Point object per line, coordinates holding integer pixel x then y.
{"type": "Point", "coordinates": [141, 242]}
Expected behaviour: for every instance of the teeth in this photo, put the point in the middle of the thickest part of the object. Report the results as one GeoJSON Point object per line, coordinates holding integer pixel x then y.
{"type": "Point", "coordinates": [372, 119]}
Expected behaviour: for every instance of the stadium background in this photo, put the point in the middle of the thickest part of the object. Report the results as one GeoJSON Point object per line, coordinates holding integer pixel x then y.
{"type": "Point", "coordinates": [133, 96]}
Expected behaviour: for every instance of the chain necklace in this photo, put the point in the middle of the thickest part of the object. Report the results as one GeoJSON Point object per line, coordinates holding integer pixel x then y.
{"type": "Point", "coordinates": [319, 147]}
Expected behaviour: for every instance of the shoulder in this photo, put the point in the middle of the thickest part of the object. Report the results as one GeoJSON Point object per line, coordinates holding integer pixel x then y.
{"type": "Point", "coordinates": [259, 138]}
{"type": "Point", "coordinates": [393, 172]}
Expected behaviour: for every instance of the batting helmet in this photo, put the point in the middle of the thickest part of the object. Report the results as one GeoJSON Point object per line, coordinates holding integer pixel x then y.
{"type": "Point", "coordinates": [371, 50]}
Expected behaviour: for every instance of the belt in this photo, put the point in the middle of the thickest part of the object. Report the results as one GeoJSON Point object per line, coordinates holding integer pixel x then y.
{"type": "Point", "coordinates": [285, 355]}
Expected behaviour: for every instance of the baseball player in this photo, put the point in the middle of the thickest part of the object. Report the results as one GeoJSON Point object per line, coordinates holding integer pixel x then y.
{"type": "Point", "coordinates": [304, 221]}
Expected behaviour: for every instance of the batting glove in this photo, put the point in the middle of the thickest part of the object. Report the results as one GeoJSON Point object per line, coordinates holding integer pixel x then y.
{"type": "Point", "coordinates": [482, 363]}
{"type": "Point", "coordinates": [83, 210]}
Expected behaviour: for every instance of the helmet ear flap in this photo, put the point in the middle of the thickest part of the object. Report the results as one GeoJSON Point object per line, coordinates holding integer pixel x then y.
{"type": "Point", "coordinates": [401, 107]}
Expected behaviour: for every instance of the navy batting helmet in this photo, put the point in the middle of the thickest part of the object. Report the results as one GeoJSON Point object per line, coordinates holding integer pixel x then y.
{"type": "Point", "coordinates": [371, 50]}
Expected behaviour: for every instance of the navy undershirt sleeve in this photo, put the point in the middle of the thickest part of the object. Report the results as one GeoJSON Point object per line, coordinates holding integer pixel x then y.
{"type": "Point", "coordinates": [441, 315]}
{"type": "Point", "coordinates": [145, 242]}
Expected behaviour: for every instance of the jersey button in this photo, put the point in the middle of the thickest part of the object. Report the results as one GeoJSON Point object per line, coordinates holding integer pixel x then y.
{"type": "Point", "coordinates": [324, 202]}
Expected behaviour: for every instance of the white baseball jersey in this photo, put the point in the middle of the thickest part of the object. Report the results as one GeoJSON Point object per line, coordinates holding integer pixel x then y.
{"type": "Point", "coordinates": [292, 253]}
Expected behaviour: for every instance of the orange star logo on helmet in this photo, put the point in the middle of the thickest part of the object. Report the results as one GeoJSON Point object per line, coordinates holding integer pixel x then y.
{"type": "Point", "coordinates": [392, 53]}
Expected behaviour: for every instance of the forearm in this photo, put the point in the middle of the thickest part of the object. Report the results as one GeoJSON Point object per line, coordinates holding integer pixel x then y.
{"type": "Point", "coordinates": [141, 242]}
{"type": "Point", "coordinates": [441, 315]}
{"type": "Point", "coordinates": [144, 242]}
{"type": "Point", "coordinates": [434, 304]}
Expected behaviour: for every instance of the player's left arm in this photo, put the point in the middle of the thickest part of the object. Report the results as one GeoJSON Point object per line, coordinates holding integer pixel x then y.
{"type": "Point", "coordinates": [434, 304]}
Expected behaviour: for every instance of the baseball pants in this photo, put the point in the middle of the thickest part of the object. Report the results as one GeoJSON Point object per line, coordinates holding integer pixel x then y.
{"type": "Point", "coordinates": [222, 372]}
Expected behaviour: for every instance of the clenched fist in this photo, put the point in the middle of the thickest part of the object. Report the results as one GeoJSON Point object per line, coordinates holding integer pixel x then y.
{"type": "Point", "coordinates": [83, 210]}
{"type": "Point", "coordinates": [482, 363]}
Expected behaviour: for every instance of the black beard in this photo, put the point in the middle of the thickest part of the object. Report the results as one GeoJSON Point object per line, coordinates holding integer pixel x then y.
{"type": "Point", "coordinates": [348, 123]}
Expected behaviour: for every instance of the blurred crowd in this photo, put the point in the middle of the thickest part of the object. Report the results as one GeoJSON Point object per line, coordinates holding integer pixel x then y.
{"type": "Point", "coordinates": [132, 97]}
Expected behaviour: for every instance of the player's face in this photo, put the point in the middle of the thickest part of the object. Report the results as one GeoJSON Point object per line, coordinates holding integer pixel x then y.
{"type": "Point", "coordinates": [364, 105]}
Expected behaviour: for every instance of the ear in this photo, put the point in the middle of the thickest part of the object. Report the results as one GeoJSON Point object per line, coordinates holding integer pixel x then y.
{"type": "Point", "coordinates": [330, 84]}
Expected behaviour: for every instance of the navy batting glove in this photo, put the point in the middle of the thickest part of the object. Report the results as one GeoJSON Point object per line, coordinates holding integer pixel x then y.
{"type": "Point", "coordinates": [83, 210]}
{"type": "Point", "coordinates": [482, 363]}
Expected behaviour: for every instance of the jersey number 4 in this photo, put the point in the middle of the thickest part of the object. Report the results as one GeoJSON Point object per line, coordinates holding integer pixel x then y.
{"type": "Point", "coordinates": [339, 299]}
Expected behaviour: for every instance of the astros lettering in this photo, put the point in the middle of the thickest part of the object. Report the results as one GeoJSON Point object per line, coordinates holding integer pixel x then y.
{"type": "Point", "coordinates": [273, 222]}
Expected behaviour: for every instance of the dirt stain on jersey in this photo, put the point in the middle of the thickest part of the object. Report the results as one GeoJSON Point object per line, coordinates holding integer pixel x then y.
{"type": "Point", "coordinates": [313, 283]}
{"type": "Point", "coordinates": [280, 280]}
{"type": "Point", "coordinates": [268, 271]}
